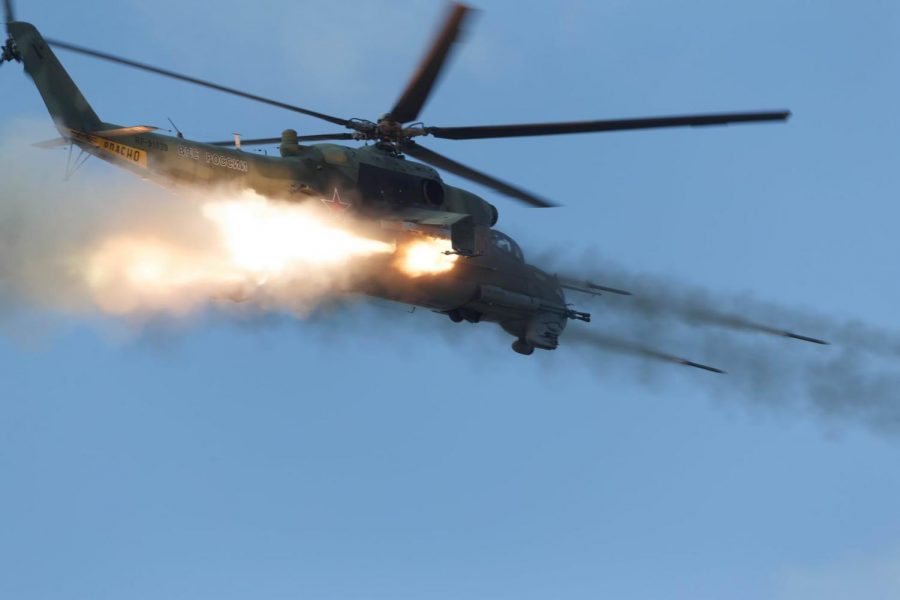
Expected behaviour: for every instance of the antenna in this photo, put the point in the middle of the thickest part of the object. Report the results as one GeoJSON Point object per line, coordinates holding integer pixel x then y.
{"type": "Point", "coordinates": [237, 141]}
{"type": "Point", "coordinates": [179, 134]}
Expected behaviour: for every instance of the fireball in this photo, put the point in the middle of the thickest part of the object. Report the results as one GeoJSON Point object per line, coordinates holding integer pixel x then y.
{"type": "Point", "coordinates": [426, 256]}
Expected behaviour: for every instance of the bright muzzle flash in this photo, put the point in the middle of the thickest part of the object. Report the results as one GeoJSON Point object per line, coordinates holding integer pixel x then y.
{"type": "Point", "coordinates": [426, 256]}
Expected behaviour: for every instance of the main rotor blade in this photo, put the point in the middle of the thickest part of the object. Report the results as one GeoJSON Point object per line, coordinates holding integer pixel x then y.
{"type": "Point", "coordinates": [194, 80]}
{"type": "Point", "coordinates": [529, 129]}
{"type": "Point", "coordinates": [8, 13]}
{"type": "Point", "coordinates": [442, 162]}
{"type": "Point", "coordinates": [417, 90]}
{"type": "Point", "coordinates": [277, 140]}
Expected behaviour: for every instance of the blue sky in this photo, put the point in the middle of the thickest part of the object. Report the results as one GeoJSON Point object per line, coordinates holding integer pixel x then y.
{"type": "Point", "coordinates": [402, 459]}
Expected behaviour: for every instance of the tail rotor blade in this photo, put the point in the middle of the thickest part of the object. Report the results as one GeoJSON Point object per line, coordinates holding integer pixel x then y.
{"type": "Point", "coordinates": [8, 51]}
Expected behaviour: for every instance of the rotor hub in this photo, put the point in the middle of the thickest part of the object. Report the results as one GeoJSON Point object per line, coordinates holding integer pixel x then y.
{"type": "Point", "coordinates": [389, 130]}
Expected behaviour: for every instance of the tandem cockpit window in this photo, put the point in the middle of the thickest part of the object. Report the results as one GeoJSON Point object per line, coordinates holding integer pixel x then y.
{"type": "Point", "coordinates": [505, 244]}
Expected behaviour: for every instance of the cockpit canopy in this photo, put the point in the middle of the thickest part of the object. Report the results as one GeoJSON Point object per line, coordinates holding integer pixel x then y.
{"type": "Point", "coordinates": [505, 244]}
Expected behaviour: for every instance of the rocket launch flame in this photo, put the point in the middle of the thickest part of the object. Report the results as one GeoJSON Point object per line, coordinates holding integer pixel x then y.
{"type": "Point", "coordinates": [269, 239]}
{"type": "Point", "coordinates": [426, 256]}
{"type": "Point", "coordinates": [257, 247]}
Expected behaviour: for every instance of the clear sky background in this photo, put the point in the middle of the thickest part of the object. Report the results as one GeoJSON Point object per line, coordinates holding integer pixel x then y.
{"type": "Point", "coordinates": [284, 459]}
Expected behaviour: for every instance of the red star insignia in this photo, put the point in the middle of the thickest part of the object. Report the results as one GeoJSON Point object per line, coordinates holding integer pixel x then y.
{"type": "Point", "coordinates": [336, 204]}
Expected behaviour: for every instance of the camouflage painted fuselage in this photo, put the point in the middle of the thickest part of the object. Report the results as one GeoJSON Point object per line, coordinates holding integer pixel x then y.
{"type": "Point", "coordinates": [368, 180]}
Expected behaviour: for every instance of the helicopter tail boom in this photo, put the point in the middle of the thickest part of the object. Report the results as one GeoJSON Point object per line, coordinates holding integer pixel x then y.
{"type": "Point", "coordinates": [65, 102]}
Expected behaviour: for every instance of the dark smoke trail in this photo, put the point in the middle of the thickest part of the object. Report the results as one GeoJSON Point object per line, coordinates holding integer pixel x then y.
{"type": "Point", "coordinates": [660, 298]}
{"type": "Point", "coordinates": [855, 379]}
{"type": "Point", "coordinates": [623, 346]}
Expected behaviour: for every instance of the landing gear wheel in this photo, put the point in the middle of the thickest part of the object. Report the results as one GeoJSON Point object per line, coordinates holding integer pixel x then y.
{"type": "Point", "coordinates": [471, 316]}
{"type": "Point", "coordinates": [523, 347]}
{"type": "Point", "coordinates": [455, 315]}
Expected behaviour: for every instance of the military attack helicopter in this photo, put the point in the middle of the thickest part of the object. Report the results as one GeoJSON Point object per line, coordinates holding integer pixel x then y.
{"type": "Point", "coordinates": [375, 181]}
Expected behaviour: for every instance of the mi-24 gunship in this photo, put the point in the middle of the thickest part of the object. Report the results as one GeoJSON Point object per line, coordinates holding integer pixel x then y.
{"type": "Point", "coordinates": [386, 176]}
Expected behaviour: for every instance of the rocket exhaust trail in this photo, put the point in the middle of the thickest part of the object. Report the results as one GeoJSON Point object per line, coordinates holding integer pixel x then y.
{"type": "Point", "coordinates": [621, 346]}
{"type": "Point", "coordinates": [712, 317]}
{"type": "Point", "coordinates": [669, 299]}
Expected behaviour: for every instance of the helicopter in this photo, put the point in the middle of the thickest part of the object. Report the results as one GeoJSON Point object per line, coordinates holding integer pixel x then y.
{"type": "Point", "coordinates": [377, 181]}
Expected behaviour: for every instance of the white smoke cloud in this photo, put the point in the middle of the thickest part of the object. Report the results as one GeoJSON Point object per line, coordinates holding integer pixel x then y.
{"type": "Point", "coordinates": [101, 243]}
